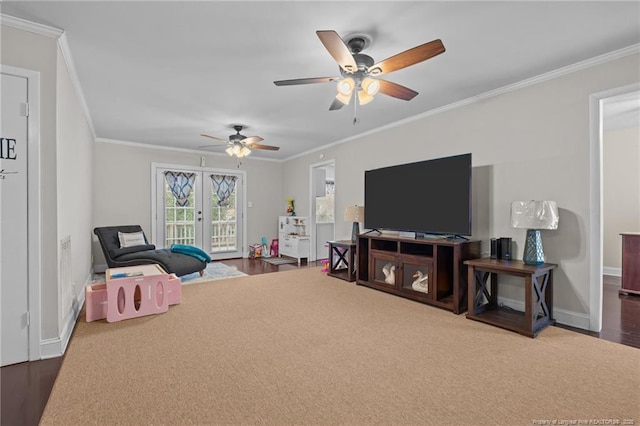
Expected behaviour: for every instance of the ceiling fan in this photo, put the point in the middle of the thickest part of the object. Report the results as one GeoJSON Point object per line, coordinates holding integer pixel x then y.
{"type": "Point", "coordinates": [239, 145]}
{"type": "Point", "coordinates": [359, 72]}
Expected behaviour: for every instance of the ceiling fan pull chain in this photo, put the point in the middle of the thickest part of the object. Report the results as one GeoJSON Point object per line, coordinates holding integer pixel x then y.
{"type": "Point", "coordinates": [355, 109]}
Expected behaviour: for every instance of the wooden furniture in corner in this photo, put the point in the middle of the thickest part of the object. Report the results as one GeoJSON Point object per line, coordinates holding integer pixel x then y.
{"type": "Point", "coordinates": [426, 270]}
{"type": "Point", "coordinates": [538, 295]}
{"type": "Point", "coordinates": [342, 260]}
{"type": "Point", "coordinates": [630, 263]}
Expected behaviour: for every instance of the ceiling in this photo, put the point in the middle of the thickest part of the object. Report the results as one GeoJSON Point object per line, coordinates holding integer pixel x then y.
{"type": "Point", "coordinates": [163, 72]}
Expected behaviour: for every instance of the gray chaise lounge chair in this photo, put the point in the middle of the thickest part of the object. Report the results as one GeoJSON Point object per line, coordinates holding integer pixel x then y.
{"type": "Point", "coordinates": [116, 256]}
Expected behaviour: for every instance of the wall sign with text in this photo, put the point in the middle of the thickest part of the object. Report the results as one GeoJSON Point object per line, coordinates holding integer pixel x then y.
{"type": "Point", "coordinates": [8, 151]}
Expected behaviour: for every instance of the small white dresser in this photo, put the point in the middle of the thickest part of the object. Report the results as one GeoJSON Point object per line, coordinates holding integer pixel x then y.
{"type": "Point", "coordinates": [293, 240]}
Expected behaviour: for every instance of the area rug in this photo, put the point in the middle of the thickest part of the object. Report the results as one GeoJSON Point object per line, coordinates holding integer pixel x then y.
{"type": "Point", "coordinates": [214, 271]}
{"type": "Point", "coordinates": [299, 347]}
{"type": "Point", "coordinates": [279, 260]}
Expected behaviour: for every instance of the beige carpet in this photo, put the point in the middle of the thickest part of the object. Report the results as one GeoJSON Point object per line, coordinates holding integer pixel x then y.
{"type": "Point", "coordinates": [299, 347]}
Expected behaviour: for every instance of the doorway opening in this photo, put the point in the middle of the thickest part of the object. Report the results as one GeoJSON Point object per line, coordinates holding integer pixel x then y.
{"type": "Point", "coordinates": [322, 212]}
{"type": "Point", "coordinates": [599, 104]}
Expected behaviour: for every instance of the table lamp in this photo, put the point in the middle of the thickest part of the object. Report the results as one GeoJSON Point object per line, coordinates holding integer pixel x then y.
{"type": "Point", "coordinates": [354, 214]}
{"type": "Point", "coordinates": [534, 216]}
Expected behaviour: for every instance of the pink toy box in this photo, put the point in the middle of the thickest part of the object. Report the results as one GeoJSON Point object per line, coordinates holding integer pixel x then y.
{"type": "Point", "coordinates": [132, 292]}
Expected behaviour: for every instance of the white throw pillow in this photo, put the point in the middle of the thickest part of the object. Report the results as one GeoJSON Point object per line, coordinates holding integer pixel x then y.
{"type": "Point", "coordinates": [131, 239]}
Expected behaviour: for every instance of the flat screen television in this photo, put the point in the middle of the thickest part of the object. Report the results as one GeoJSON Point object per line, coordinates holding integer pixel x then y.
{"type": "Point", "coordinates": [426, 197]}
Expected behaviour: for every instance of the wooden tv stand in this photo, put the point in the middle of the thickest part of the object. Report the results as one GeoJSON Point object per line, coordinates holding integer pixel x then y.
{"type": "Point", "coordinates": [430, 271]}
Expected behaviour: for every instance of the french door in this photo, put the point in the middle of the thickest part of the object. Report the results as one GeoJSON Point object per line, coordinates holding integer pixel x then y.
{"type": "Point", "coordinates": [200, 207]}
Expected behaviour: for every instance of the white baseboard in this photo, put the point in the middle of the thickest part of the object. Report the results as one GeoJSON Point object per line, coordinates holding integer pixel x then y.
{"type": "Point", "coordinates": [614, 272]}
{"type": "Point", "coordinates": [53, 348]}
{"type": "Point", "coordinates": [562, 316]}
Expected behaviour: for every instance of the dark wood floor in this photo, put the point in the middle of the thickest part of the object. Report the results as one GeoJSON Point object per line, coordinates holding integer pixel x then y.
{"type": "Point", "coordinates": [25, 387]}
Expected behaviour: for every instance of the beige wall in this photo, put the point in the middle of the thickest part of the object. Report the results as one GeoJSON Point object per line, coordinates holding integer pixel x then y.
{"type": "Point", "coordinates": [66, 152]}
{"type": "Point", "coordinates": [38, 53]}
{"type": "Point", "coordinates": [531, 143]}
{"type": "Point", "coordinates": [74, 155]}
{"type": "Point", "coordinates": [122, 187]}
{"type": "Point", "coordinates": [621, 192]}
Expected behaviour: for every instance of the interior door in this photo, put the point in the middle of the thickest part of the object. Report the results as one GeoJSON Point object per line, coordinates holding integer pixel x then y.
{"type": "Point", "coordinates": [14, 346]}
{"type": "Point", "coordinates": [210, 216]}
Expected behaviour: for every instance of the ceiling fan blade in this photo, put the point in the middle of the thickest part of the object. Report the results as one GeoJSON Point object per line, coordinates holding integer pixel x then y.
{"type": "Point", "coordinates": [336, 104]}
{"type": "Point", "coordinates": [338, 49]}
{"type": "Point", "coordinates": [396, 90]}
{"type": "Point", "coordinates": [212, 146]}
{"type": "Point", "coordinates": [213, 137]}
{"type": "Point", "coordinates": [407, 58]}
{"type": "Point", "coordinates": [305, 81]}
{"type": "Point", "coordinates": [251, 140]}
{"type": "Point", "coordinates": [267, 147]}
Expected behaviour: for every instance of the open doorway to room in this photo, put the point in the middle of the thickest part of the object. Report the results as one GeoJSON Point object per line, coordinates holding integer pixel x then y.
{"type": "Point", "coordinates": [620, 211]}
{"type": "Point", "coordinates": [614, 157]}
{"type": "Point", "coordinates": [322, 211]}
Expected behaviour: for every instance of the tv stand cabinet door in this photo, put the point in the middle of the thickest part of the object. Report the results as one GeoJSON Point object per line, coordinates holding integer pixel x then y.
{"type": "Point", "coordinates": [383, 269]}
{"type": "Point", "coordinates": [416, 277]}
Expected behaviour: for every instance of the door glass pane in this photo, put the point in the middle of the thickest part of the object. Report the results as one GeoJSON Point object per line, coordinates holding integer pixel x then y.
{"type": "Point", "coordinates": [223, 224]}
{"type": "Point", "coordinates": [179, 221]}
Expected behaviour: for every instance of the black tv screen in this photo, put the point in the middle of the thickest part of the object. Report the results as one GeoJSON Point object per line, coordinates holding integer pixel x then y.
{"type": "Point", "coordinates": [431, 197]}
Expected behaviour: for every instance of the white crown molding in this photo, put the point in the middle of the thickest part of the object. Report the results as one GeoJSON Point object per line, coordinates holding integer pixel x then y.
{"type": "Point", "coordinates": [47, 31]}
{"type": "Point", "coordinates": [171, 148]}
{"type": "Point", "coordinates": [607, 57]}
{"type": "Point", "coordinates": [23, 24]}
{"type": "Point", "coordinates": [73, 75]}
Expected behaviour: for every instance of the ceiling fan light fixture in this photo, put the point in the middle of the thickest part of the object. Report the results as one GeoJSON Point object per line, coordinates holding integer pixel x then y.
{"type": "Point", "coordinates": [344, 98]}
{"type": "Point", "coordinates": [364, 98]}
{"type": "Point", "coordinates": [229, 151]}
{"type": "Point", "coordinates": [244, 152]}
{"type": "Point", "coordinates": [370, 86]}
{"type": "Point", "coordinates": [236, 148]}
{"type": "Point", "coordinates": [345, 86]}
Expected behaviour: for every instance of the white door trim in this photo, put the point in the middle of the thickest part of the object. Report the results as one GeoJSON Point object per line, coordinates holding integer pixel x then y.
{"type": "Point", "coordinates": [154, 201]}
{"type": "Point", "coordinates": [312, 208]}
{"type": "Point", "coordinates": [33, 204]}
{"type": "Point", "coordinates": [596, 101]}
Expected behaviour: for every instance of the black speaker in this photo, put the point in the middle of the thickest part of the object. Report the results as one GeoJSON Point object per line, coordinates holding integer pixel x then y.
{"type": "Point", "coordinates": [505, 248]}
{"type": "Point", "coordinates": [494, 248]}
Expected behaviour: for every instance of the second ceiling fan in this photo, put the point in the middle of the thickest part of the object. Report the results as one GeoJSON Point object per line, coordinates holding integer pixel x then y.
{"type": "Point", "coordinates": [239, 145]}
{"type": "Point", "coordinates": [359, 72]}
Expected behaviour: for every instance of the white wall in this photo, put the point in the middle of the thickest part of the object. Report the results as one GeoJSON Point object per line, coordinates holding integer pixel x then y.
{"type": "Point", "coordinates": [621, 192]}
{"type": "Point", "coordinates": [122, 187]}
{"type": "Point", "coordinates": [39, 53]}
{"type": "Point", "coordinates": [74, 156]}
{"type": "Point", "coordinates": [531, 143]}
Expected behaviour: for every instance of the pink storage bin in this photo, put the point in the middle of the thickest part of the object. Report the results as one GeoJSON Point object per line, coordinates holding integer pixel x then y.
{"type": "Point", "coordinates": [175, 290]}
{"type": "Point", "coordinates": [95, 302]}
{"type": "Point", "coordinates": [133, 297]}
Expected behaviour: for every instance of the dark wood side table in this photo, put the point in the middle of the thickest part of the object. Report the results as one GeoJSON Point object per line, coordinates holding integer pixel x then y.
{"type": "Point", "coordinates": [630, 263]}
{"type": "Point", "coordinates": [342, 256]}
{"type": "Point", "coordinates": [538, 294]}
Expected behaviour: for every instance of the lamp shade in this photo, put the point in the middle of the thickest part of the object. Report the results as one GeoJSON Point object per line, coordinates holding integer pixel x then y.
{"type": "Point", "coordinates": [354, 214]}
{"type": "Point", "coordinates": [534, 214]}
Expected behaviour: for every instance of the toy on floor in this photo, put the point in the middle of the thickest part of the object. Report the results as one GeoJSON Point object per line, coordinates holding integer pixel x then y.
{"type": "Point", "coordinates": [325, 265]}
{"type": "Point", "coordinates": [273, 251]}
{"type": "Point", "coordinates": [132, 292]}
{"type": "Point", "coordinates": [265, 248]}
{"type": "Point", "coordinates": [255, 251]}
